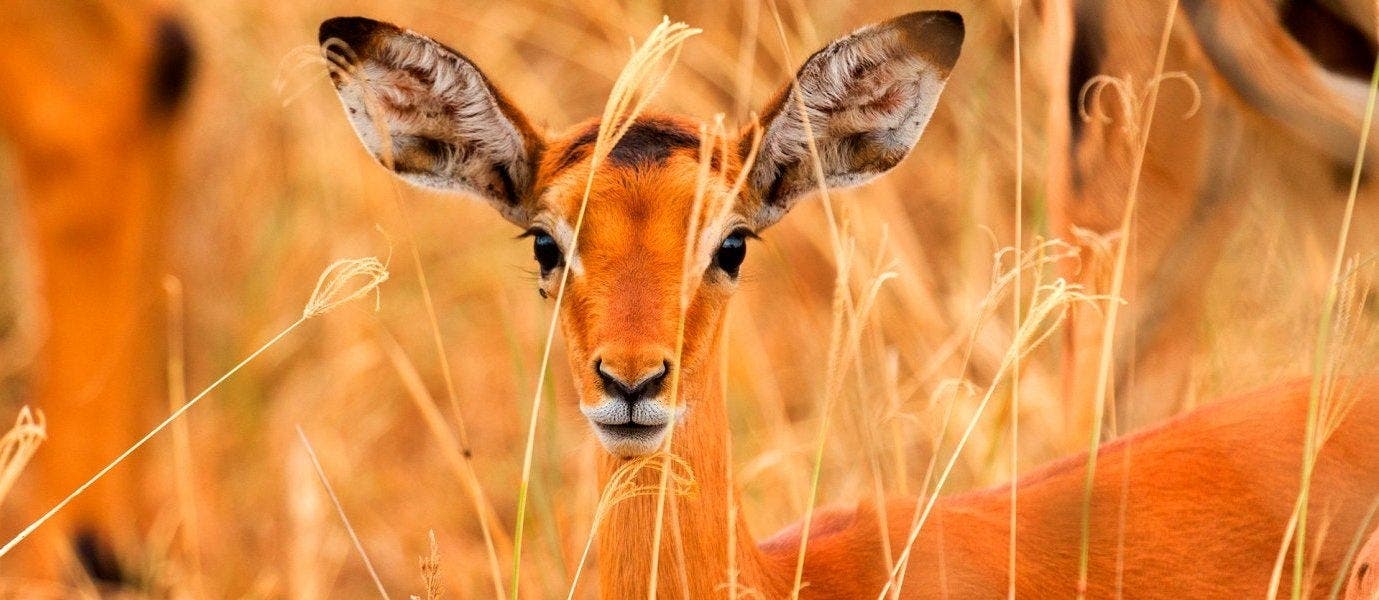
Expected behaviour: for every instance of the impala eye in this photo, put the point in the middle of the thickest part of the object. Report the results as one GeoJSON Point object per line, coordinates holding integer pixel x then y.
{"type": "Point", "coordinates": [731, 252]}
{"type": "Point", "coordinates": [546, 251]}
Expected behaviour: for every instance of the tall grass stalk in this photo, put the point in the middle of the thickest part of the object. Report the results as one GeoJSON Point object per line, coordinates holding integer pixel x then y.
{"type": "Point", "coordinates": [1001, 282]}
{"type": "Point", "coordinates": [845, 317]}
{"type": "Point", "coordinates": [708, 188]}
{"type": "Point", "coordinates": [1323, 378]}
{"type": "Point", "coordinates": [340, 510]}
{"type": "Point", "coordinates": [1045, 313]}
{"type": "Point", "coordinates": [459, 461]}
{"type": "Point", "coordinates": [1015, 297]}
{"type": "Point", "coordinates": [181, 436]}
{"type": "Point", "coordinates": [643, 76]}
{"type": "Point", "coordinates": [1113, 303]}
{"type": "Point", "coordinates": [336, 286]}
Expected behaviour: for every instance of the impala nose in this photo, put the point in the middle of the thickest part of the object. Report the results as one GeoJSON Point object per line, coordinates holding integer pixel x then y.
{"type": "Point", "coordinates": [639, 386]}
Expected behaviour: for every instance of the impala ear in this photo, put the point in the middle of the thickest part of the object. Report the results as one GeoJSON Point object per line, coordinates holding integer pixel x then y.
{"type": "Point", "coordinates": [868, 97]}
{"type": "Point", "coordinates": [427, 113]}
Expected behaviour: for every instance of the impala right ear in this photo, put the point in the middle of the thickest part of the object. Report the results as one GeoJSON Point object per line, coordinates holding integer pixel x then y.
{"type": "Point", "coordinates": [428, 114]}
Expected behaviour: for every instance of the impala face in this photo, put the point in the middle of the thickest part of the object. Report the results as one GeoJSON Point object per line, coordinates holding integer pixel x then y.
{"type": "Point", "coordinates": [638, 273]}
{"type": "Point", "coordinates": [622, 306]}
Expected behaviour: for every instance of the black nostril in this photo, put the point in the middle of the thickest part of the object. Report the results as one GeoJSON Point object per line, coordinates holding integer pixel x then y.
{"type": "Point", "coordinates": [651, 385]}
{"type": "Point", "coordinates": [647, 387]}
{"type": "Point", "coordinates": [611, 385]}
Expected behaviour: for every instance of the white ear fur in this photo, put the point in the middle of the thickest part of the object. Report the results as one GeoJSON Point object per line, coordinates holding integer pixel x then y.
{"type": "Point", "coordinates": [868, 97]}
{"type": "Point", "coordinates": [429, 114]}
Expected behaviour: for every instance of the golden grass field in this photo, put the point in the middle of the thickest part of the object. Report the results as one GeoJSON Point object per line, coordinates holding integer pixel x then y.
{"type": "Point", "coordinates": [276, 187]}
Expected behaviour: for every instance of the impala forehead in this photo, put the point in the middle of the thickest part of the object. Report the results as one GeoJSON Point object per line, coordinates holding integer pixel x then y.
{"type": "Point", "coordinates": [642, 213]}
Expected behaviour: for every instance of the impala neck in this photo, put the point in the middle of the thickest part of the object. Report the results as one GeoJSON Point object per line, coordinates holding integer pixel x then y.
{"type": "Point", "coordinates": [694, 544]}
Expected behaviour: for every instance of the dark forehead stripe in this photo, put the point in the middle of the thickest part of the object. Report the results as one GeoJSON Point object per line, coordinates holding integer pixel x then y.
{"type": "Point", "coordinates": [650, 141]}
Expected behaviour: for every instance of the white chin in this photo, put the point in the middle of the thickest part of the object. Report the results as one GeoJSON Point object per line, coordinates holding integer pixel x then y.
{"type": "Point", "coordinates": [630, 442]}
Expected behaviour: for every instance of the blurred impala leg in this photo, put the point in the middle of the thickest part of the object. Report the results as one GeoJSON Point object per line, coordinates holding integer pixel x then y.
{"type": "Point", "coordinates": [91, 95]}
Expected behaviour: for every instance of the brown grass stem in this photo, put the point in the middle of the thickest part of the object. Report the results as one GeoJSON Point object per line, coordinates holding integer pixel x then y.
{"type": "Point", "coordinates": [340, 510]}
{"type": "Point", "coordinates": [459, 460]}
{"type": "Point", "coordinates": [181, 436]}
{"type": "Point", "coordinates": [332, 290]}
{"type": "Point", "coordinates": [1113, 302]}
{"type": "Point", "coordinates": [1015, 295]}
{"type": "Point", "coordinates": [1322, 380]}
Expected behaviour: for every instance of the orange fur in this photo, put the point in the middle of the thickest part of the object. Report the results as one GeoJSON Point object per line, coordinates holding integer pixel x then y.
{"type": "Point", "coordinates": [1247, 66]}
{"type": "Point", "coordinates": [1363, 583]}
{"type": "Point", "coordinates": [95, 149]}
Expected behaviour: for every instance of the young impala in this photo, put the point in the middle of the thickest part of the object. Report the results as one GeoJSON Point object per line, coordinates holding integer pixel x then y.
{"type": "Point", "coordinates": [1194, 509]}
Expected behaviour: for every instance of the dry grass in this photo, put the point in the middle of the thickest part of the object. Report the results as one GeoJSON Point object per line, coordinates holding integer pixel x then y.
{"type": "Point", "coordinates": [274, 190]}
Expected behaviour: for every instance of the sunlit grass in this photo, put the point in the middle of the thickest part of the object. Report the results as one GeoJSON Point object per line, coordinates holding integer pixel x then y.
{"type": "Point", "coordinates": [274, 189]}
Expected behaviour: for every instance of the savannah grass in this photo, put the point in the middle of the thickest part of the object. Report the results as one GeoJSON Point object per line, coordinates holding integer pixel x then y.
{"type": "Point", "coordinates": [340, 510]}
{"type": "Point", "coordinates": [281, 186]}
{"type": "Point", "coordinates": [339, 284]}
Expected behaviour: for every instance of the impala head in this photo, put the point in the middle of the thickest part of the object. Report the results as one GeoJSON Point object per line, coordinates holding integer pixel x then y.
{"type": "Point", "coordinates": [431, 116]}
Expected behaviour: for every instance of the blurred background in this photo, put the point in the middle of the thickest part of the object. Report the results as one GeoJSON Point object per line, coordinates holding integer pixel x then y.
{"type": "Point", "coordinates": [252, 183]}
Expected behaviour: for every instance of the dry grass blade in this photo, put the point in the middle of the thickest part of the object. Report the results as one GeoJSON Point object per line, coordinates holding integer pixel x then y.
{"type": "Point", "coordinates": [18, 446]}
{"type": "Point", "coordinates": [846, 319]}
{"type": "Point", "coordinates": [431, 570]}
{"type": "Point", "coordinates": [1139, 135]}
{"type": "Point", "coordinates": [333, 289]}
{"type": "Point", "coordinates": [1019, 228]}
{"type": "Point", "coordinates": [623, 485]}
{"type": "Point", "coordinates": [644, 75]}
{"type": "Point", "coordinates": [340, 510]}
{"type": "Point", "coordinates": [1047, 310]}
{"type": "Point", "coordinates": [694, 260]}
{"type": "Point", "coordinates": [341, 60]}
{"type": "Point", "coordinates": [455, 455]}
{"type": "Point", "coordinates": [181, 437]}
{"type": "Point", "coordinates": [1321, 400]}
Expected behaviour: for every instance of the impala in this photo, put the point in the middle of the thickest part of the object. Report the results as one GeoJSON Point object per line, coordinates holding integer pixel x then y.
{"type": "Point", "coordinates": [90, 113]}
{"type": "Point", "coordinates": [1194, 509]}
{"type": "Point", "coordinates": [1296, 71]}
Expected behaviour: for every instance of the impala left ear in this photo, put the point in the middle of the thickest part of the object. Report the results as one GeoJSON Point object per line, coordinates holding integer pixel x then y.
{"type": "Point", "coordinates": [868, 97]}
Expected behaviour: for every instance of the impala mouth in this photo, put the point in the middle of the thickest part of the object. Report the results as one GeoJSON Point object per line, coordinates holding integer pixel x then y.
{"type": "Point", "coordinates": [630, 440]}
{"type": "Point", "coordinates": [630, 431]}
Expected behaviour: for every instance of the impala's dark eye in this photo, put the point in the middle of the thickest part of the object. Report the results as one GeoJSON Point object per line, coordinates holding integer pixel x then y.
{"type": "Point", "coordinates": [731, 252]}
{"type": "Point", "coordinates": [546, 251]}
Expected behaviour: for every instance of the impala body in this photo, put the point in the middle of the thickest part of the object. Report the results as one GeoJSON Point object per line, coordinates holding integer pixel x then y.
{"type": "Point", "coordinates": [1294, 72]}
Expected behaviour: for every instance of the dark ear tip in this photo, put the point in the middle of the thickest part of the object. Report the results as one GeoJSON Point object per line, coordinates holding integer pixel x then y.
{"type": "Point", "coordinates": [938, 34]}
{"type": "Point", "coordinates": [354, 31]}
